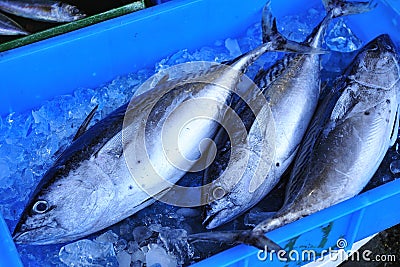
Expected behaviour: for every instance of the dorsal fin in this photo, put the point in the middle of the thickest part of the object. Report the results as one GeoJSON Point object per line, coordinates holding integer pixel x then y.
{"type": "Point", "coordinates": [85, 123]}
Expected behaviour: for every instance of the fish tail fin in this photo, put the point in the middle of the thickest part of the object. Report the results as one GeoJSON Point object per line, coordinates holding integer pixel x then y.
{"type": "Point", "coordinates": [267, 23]}
{"type": "Point", "coordinates": [339, 8]}
{"type": "Point", "coordinates": [270, 34]}
{"type": "Point", "coordinates": [249, 237]}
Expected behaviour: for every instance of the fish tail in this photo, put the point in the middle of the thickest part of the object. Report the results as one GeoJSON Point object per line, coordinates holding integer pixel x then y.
{"type": "Point", "coordinates": [267, 23]}
{"type": "Point", "coordinates": [339, 8]}
{"type": "Point", "coordinates": [249, 237]}
{"type": "Point", "coordinates": [270, 34]}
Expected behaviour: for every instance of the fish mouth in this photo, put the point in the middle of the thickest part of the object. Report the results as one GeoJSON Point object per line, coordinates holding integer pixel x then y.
{"type": "Point", "coordinates": [208, 221]}
{"type": "Point", "coordinates": [33, 236]}
{"type": "Point", "coordinates": [75, 13]}
{"type": "Point", "coordinates": [79, 16]}
{"type": "Point", "coordinates": [19, 237]}
{"type": "Point", "coordinates": [216, 219]}
{"type": "Point", "coordinates": [22, 237]}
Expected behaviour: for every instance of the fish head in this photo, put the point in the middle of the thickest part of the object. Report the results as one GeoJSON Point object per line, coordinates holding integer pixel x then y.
{"type": "Point", "coordinates": [38, 224]}
{"type": "Point", "coordinates": [64, 207]}
{"type": "Point", "coordinates": [66, 13]}
{"type": "Point", "coordinates": [376, 65]}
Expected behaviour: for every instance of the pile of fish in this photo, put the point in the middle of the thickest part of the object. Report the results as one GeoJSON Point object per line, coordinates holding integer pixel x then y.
{"type": "Point", "coordinates": [334, 136]}
{"type": "Point", "coordinates": [41, 10]}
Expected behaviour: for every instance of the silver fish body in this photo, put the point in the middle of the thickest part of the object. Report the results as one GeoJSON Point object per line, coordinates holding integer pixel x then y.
{"type": "Point", "coordinates": [348, 138]}
{"type": "Point", "coordinates": [346, 141]}
{"type": "Point", "coordinates": [10, 27]}
{"type": "Point", "coordinates": [43, 10]}
{"type": "Point", "coordinates": [91, 185]}
{"type": "Point", "coordinates": [291, 87]}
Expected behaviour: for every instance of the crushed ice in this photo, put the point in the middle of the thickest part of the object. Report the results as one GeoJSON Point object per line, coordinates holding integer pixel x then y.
{"type": "Point", "coordinates": [341, 38]}
{"type": "Point", "coordinates": [86, 252]}
{"type": "Point", "coordinates": [30, 142]}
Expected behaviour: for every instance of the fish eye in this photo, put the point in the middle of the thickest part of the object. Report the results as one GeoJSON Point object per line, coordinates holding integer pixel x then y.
{"type": "Point", "coordinates": [373, 47]}
{"type": "Point", "coordinates": [40, 206]}
{"type": "Point", "coordinates": [388, 47]}
{"type": "Point", "coordinates": [75, 11]}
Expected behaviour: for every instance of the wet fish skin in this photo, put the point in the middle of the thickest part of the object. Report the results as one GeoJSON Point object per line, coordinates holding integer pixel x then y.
{"type": "Point", "coordinates": [337, 160]}
{"type": "Point", "coordinates": [42, 10]}
{"type": "Point", "coordinates": [90, 186]}
{"type": "Point", "coordinates": [292, 88]}
{"type": "Point", "coordinates": [10, 27]}
{"type": "Point", "coordinates": [345, 143]}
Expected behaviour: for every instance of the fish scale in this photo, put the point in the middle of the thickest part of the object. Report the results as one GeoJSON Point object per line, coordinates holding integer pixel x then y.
{"type": "Point", "coordinates": [364, 135]}
{"type": "Point", "coordinates": [92, 182]}
{"type": "Point", "coordinates": [265, 77]}
{"type": "Point", "coordinates": [302, 189]}
{"type": "Point", "coordinates": [291, 87]}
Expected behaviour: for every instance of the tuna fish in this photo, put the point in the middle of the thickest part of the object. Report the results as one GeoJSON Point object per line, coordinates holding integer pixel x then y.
{"type": "Point", "coordinates": [106, 174]}
{"type": "Point", "coordinates": [291, 87]}
{"type": "Point", "coordinates": [44, 10]}
{"type": "Point", "coordinates": [10, 27]}
{"type": "Point", "coordinates": [337, 160]}
{"type": "Point", "coordinates": [347, 139]}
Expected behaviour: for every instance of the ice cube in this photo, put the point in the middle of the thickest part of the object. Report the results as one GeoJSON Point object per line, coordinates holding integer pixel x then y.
{"type": "Point", "coordinates": [124, 259]}
{"type": "Point", "coordinates": [138, 255]}
{"type": "Point", "coordinates": [156, 227]}
{"type": "Point", "coordinates": [124, 230]}
{"type": "Point", "coordinates": [181, 57]}
{"type": "Point", "coordinates": [107, 237]}
{"type": "Point", "coordinates": [88, 253]}
{"type": "Point", "coordinates": [145, 249]}
{"type": "Point", "coordinates": [254, 36]}
{"type": "Point", "coordinates": [233, 47]}
{"type": "Point", "coordinates": [207, 54]}
{"type": "Point", "coordinates": [157, 256]}
{"type": "Point", "coordinates": [120, 245]}
{"type": "Point", "coordinates": [5, 179]}
{"type": "Point", "coordinates": [132, 246]}
{"type": "Point", "coordinates": [175, 240]}
{"type": "Point", "coordinates": [141, 234]}
{"type": "Point", "coordinates": [28, 125]}
{"type": "Point", "coordinates": [341, 38]}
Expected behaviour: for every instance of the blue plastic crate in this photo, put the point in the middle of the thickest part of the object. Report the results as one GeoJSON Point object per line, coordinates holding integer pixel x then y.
{"type": "Point", "coordinates": [94, 55]}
